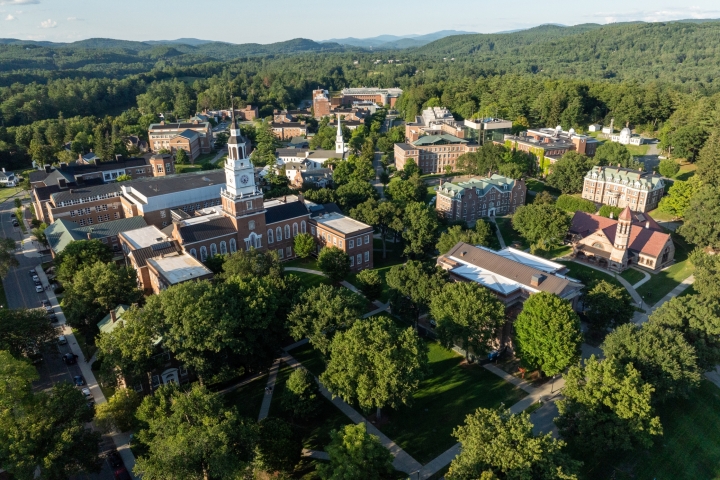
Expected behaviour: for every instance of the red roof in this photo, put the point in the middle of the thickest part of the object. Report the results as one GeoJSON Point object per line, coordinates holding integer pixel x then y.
{"type": "Point", "coordinates": [646, 236]}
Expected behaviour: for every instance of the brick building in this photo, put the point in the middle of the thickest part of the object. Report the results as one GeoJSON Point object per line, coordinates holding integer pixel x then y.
{"type": "Point", "coordinates": [333, 229]}
{"type": "Point", "coordinates": [623, 187]}
{"type": "Point", "coordinates": [433, 153]}
{"type": "Point", "coordinates": [142, 244]}
{"type": "Point", "coordinates": [61, 233]}
{"type": "Point", "coordinates": [320, 103]}
{"type": "Point", "coordinates": [287, 130]}
{"type": "Point", "coordinates": [479, 197]}
{"type": "Point", "coordinates": [196, 138]}
{"type": "Point", "coordinates": [380, 96]}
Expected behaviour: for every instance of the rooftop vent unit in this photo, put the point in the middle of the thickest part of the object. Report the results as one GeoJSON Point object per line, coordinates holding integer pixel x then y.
{"type": "Point", "coordinates": [537, 279]}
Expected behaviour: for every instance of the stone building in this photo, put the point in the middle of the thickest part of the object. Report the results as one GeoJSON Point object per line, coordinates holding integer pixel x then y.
{"type": "Point", "coordinates": [195, 138]}
{"type": "Point", "coordinates": [479, 197]}
{"type": "Point", "coordinates": [433, 153]}
{"type": "Point", "coordinates": [632, 239]}
{"type": "Point", "coordinates": [623, 187]}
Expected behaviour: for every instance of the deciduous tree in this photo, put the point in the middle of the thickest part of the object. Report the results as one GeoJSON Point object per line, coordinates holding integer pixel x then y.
{"type": "Point", "coordinates": [355, 455]}
{"type": "Point", "coordinates": [702, 217]}
{"type": "Point", "coordinates": [304, 245]}
{"type": "Point", "coordinates": [679, 196]}
{"type": "Point", "coordinates": [278, 449]}
{"type": "Point", "coordinates": [79, 253]}
{"type": "Point", "coordinates": [354, 193]}
{"type": "Point", "coordinates": [496, 442]}
{"type": "Point", "coordinates": [467, 312]}
{"type": "Point", "coordinates": [191, 435]}
{"type": "Point", "coordinates": [118, 412]}
{"type": "Point", "coordinates": [404, 191]}
{"type": "Point", "coordinates": [668, 167]}
{"type": "Point", "coordinates": [300, 396]}
{"type": "Point", "coordinates": [548, 333]}
{"type": "Point", "coordinates": [321, 312]}
{"type": "Point", "coordinates": [420, 233]}
{"type": "Point", "coordinates": [607, 407]}
{"type": "Point", "coordinates": [334, 263]}
{"type": "Point", "coordinates": [22, 330]}
{"type": "Point", "coordinates": [479, 235]}
{"type": "Point", "coordinates": [541, 225]}
{"type": "Point", "coordinates": [568, 173]}
{"type": "Point", "coordinates": [383, 215]}
{"type": "Point", "coordinates": [376, 363]}
{"type": "Point", "coordinates": [614, 154]}
{"type": "Point", "coordinates": [607, 306]}
{"type": "Point", "coordinates": [412, 285]}
{"type": "Point", "coordinates": [661, 355]}
{"type": "Point", "coordinates": [253, 263]}
{"type": "Point", "coordinates": [370, 284]}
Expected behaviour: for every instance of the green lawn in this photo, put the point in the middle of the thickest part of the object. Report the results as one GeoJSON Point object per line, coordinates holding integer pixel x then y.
{"type": "Point", "coordinates": [248, 398]}
{"type": "Point", "coordinates": [8, 192]}
{"type": "Point", "coordinates": [537, 186]}
{"type": "Point", "coordinates": [638, 150]}
{"type": "Point", "coordinates": [310, 280]}
{"type": "Point", "coordinates": [662, 283]}
{"type": "Point", "coordinates": [310, 263]}
{"type": "Point", "coordinates": [633, 276]}
{"type": "Point", "coordinates": [555, 252]}
{"type": "Point", "coordinates": [589, 275]}
{"type": "Point", "coordinates": [509, 234]}
{"type": "Point", "coordinates": [450, 393]}
{"type": "Point", "coordinates": [205, 157]}
{"type": "Point", "coordinates": [659, 216]}
{"type": "Point", "coordinates": [188, 168]}
{"type": "Point", "coordinates": [686, 171]}
{"type": "Point", "coordinates": [688, 449]}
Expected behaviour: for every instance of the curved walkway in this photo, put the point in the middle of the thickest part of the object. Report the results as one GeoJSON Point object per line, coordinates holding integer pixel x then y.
{"type": "Point", "coordinates": [641, 282]}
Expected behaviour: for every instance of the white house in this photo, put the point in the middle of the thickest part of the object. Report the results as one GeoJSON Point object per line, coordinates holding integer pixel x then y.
{"type": "Point", "coordinates": [595, 127]}
{"type": "Point", "coordinates": [626, 137]}
{"type": "Point", "coordinates": [8, 179]}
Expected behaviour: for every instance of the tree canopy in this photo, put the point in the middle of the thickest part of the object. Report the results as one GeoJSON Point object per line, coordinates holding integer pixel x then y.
{"type": "Point", "coordinates": [355, 454]}
{"type": "Point", "coordinates": [541, 225]}
{"type": "Point", "coordinates": [479, 235]}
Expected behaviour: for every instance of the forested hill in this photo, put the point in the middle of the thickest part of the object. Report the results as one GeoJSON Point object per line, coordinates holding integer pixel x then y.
{"type": "Point", "coordinates": [676, 52]}
{"type": "Point", "coordinates": [128, 56]}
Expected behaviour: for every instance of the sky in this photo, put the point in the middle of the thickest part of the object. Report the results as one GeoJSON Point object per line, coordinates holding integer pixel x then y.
{"type": "Point", "coordinates": [267, 21]}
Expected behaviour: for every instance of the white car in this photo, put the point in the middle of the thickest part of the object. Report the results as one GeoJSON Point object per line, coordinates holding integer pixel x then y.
{"type": "Point", "coordinates": [36, 278]}
{"type": "Point", "coordinates": [38, 288]}
{"type": "Point", "coordinates": [62, 340]}
{"type": "Point", "coordinates": [86, 391]}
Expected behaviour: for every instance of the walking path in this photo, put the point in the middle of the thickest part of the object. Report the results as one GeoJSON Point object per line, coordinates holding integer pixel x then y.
{"type": "Point", "coordinates": [641, 282]}
{"type": "Point", "coordinates": [121, 440]}
{"type": "Point", "coordinates": [269, 389]}
{"type": "Point", "coordinates": [219, 155]}
{"type": "Point", "coordinates": [633, 293]}
{"type": "Point", "coordinates": [497, 232]}
{"type": "Point", "coordinates": [315, 454]}
{"type": "Point", "coordinates": [640, 318]}
{"type": "Point", "coordinates": [403, 461]}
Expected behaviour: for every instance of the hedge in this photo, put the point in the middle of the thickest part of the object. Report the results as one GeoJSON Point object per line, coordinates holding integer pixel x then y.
{"type": "Point", "coordinates": [573, 204]}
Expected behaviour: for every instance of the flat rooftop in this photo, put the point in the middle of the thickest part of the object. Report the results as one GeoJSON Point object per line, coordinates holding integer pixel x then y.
{"type": "Point", "coordinates": [179, 267]}
{"type": "Point", "coordinates": [341, 223]}
{"type": "Point", "coordinates": [144, 237]}
{"type": "Point", "coordinates": [155, 186]}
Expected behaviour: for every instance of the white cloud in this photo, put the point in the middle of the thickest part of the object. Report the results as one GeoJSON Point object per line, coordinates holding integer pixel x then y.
{"type": "Point", "coordinates": [49, 23]}
{"type": "Point", "coordinates": [18, 2]}
{"type": "Point", "coordinates": [9, 17]}
{"type": "Point", "coordinates": [666, 15]}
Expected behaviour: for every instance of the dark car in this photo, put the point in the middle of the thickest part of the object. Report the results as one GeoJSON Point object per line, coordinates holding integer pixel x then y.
{"type": "Point", "coordinates": [12, 215]}
{"type": "Point", "coordinates": [69, 359]}
{"type": "Point", "coordinates": [122, 474]}
{"type": "Point", "coordinates": [44, 303]}
{"type": "Point", "coordinates": [79, 380]}
{"type": "Point", "coordinates": [37, 283]}
{"type": "Point", "coordinates": [15, 223]}
{"type": "Point", "coordinates": [32, 272]}
{"type": "Point", "coordinates": [114, 459]}
{"type": "Point", "coordinates": [53, 318]}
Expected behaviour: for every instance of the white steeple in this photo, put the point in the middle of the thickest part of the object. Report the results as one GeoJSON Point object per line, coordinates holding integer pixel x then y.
{"type": "Point", "coordinates": [339, 141]}
{"type": "Point", "coordinates": [239, 170]}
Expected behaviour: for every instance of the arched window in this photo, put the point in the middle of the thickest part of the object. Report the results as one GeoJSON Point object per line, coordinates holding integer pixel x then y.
{"type": "Point", "coordinates": [295, 229]}
{"type": "Point", "coordinates": [233, 246]}
{"type": "Point", "coordinates": [203, 253]}
{"type": "Point", "coordinates": [278, 234]}
{"type": "Point", "coordinates": [213, 250]}
{"type": "Point", "coordinates": [270, 236]}
{"type": "Point", "coordinates": [193, 252]}
{"type": "Point", "coordinates": [287, 231]}
{"type": "Point", "coordinates": [223, 247]}
{"type": "Point", "coordinates": [303, 227]}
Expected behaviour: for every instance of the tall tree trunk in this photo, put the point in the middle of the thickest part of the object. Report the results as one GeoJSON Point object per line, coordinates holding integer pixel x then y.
{"type": "Point", "coordinates": [378, 414]}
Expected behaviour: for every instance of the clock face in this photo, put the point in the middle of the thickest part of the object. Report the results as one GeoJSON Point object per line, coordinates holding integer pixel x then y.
{"type": "Point", "coordinates": [244, 179]}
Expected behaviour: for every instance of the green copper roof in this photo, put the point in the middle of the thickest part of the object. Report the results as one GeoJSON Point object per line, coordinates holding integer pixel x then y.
{"type": "Point", "coordinates": [442, 139]}
{"type": "Point", "coordinates": [482, 184]}
{"type": "Point", "coordinates": [626, 176]}
{"type": "Point", "coordinates": [106, 325]}
{"type": "Point", "coordinates": [60, 233]}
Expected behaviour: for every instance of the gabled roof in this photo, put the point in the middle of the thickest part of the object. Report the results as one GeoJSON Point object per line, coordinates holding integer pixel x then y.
{"type": "Point", "coordinates": [503, 275]}
{"type": "Point", "coordinates": [284, 211]}
{"type": "Point", "coordinates": [189, 134]}
{"type": "Point", "coordinates": [441, 139]}
{"type": "Point", "coordinates": [199, 231]}
{"type": "Point", "coordinates": [626, 176]}
{"type": "Point", "coordinates": [60, 233]}
{"type": "Point", "coordinates": [115, 227]}
{"type": "Point", "coordinates": [484, 185]}
{"type": "Point", "coordinates": [106, 325]}
{"type": "Point", "coordinates": [646, 236]}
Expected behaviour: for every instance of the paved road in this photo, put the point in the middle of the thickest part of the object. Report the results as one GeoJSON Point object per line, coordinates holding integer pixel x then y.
{"type": "Point", "coordinates": [19, 287]}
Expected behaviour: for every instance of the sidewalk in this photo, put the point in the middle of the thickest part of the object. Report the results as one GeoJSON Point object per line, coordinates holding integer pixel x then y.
{"type": "Point", "coordinates": [121, 440]}
{"type": "Point", "coordinates": [269, 389]}
{"type": "Point", "coordinates": [403, 461]}
{"type": "Point", "coordinates": [497, 232]}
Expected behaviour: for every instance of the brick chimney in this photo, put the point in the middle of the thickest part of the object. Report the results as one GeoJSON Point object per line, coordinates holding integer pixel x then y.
{"type": "Point", "coordinates": [536, 280]}
{"type": "Point", "coordinates": [113, 317]}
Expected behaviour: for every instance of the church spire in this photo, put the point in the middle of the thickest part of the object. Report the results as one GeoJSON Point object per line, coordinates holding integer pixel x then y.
{"type": "Point", "coordinates": [339, 140]}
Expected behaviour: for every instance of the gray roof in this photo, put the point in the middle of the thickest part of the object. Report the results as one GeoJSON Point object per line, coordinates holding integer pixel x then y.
{"type": "Point", "coordinates": [285, 211]}
{"type": "Point", "coordinates": [154, 186]}
{"type": "Point", "coordinates": [198, 232]}
{"type": "Point", "coordinates": [142, 255]}
{"type": "Point", "coordinates": [484, 185]}
{"type": "Point", "coordinates": [312, 154]}
{"type": "Point", "coordinates": [178, 126]}
{"type": "Point", "coordinates": [113, 228]}
{"type": "Point", "coordinates": [61, 232]}
{"type": "Point", "coordinates": [80, 193]}
{"type": "Point", "coordinates": [189, 134]}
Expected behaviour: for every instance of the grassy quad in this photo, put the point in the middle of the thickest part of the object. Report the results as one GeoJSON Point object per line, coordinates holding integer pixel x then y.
{"type": "Point", "coordinates": [589, 275]}
{"type": "Point", "coordinates": [632, 276]}
{"type": "Point", "coordinates": [452, 391]}
{"type": "Point", "coordinates": [509, 234]}
{"type": "Point", "coordinates": [248, 398]}
{"type": "Point", "coordinates": [383, 266]}
{"type": "Point", "coordinates": [662, 283]}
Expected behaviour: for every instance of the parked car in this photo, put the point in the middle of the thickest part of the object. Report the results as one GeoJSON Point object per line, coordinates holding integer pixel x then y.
{"type": "Point", "coordinates": [32, 272]}
{"type": "Point", "coordinates": [15, 223]}
{"type": "Point", "coordinates": [37, 283]}
{"type": "Point", "coordinates": [62, 340]}
{"type": "Point", "coordinates": [69, 359]}
{"type": "Point", "coordinates": [114, 459]}
{"type": "Point", "coordinates": [12, 215]}
{"type": "Point", "coordinates": [79, 380]}
{"type": "Point", "coordinates": [38, 288]}
{"type": "Point", "coordinates": [45, 303]}
{"type": "Point", "coordinates": [49, 310]}
{"type": "Point", "coordinates": [36, 278]}
{"type": "Point", "coordinates": [86, 392]}
{"type": "Point", "coordinates": [53, 318]}
{"type": "Point", "coordinates": [122, 474]}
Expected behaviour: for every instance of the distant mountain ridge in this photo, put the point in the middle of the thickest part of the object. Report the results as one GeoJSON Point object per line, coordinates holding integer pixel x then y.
{"type": "Point", "coordinates": [388, 42]}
